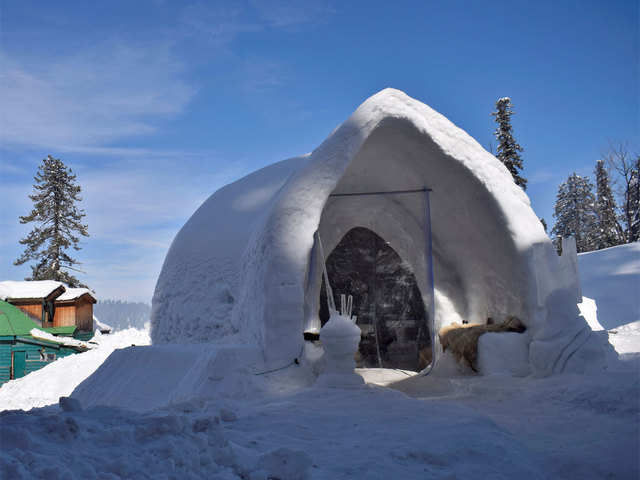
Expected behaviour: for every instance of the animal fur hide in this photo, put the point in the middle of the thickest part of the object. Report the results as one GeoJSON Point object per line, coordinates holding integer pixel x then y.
{"type": "Point", "coordinates": [462, 340]}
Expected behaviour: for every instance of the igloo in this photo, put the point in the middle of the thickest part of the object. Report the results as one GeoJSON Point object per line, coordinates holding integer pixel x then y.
{"type": "Point", "coordinates": [245, 267]}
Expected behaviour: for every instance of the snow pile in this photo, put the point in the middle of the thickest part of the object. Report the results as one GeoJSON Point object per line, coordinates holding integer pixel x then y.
{"type": "Point", "coordinates": [101, 327]}
{"type": "Point", "coordinates": [149, 377]}
{"type": "Point", "coordinates": [45, 386]}
{"type": "Point", "coordinates": [66, 341]}
{"type": "Point", "coordinates": [566, 426]}
{"type": "Point", "coordinates": [319, 434]}
{"type": "Point", "coordinates": [626, 339]}
{"type": "Point", "coordinates": [612, 278]}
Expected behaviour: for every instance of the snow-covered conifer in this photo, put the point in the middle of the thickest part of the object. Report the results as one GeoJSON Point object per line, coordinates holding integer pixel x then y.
{"type": "Point", "coordinates": [575, 213]}
{"type": "Point", "coordinates": [59, 224]}
{"type": "Point", "coordinates": [608, 231]}
{"type": "Point", "coordinates": [508, 148]}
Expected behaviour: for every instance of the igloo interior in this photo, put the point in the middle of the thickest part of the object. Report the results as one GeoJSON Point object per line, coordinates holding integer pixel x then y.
{"type": "Point", "coordinates": [244, 267]}
{"type": "Point", "coordinates": [387, 302]}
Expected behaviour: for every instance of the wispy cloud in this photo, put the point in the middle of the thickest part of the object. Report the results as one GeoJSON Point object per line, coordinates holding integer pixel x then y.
{"type": "Point", "coordinates": [150, 196]}
{"type": "Point", "coordinates": [259, 75]}
{"type": "Point", "coordinates": [112, 91]}
{"type": "Point", "coordinates": [221, 24]}
{"type": "Point", "coordinates": [134, 207]}
{"type": "Point", "coordinates": [287, 13]}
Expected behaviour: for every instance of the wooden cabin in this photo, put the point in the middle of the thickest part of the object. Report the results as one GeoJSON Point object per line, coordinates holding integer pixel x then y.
{"type": "Point", "coordinates": [75, 307]}
{"type": "Point", "coordinates": [36, 299]}
{"type": "Point", "coordinates": [52, 304]}
{"type": "Point", "coordinates": [20, 352]}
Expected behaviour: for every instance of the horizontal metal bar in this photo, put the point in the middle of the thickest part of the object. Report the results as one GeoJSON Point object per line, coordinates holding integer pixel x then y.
{"type": "Point", "coordinates": [391, 192]}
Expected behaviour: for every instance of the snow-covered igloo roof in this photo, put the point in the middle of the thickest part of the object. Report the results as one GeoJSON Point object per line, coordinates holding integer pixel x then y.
{"type": "Point", "coordinates": [239, 269]}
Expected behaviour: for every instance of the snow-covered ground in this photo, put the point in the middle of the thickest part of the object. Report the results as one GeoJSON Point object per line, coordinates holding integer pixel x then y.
{"type": "Point", "coordinates": [398, 426]}
{"type": "Point", "coordinates": [58, 379]}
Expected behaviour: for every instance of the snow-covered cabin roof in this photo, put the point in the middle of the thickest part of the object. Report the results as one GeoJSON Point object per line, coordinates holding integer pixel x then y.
{"type": "Point", "coordinates": [75, 293]}
{"type": "Point", "coordinates": [30, 290]}
{"type": "Point", "coordinates": [101, 326]}
{"type": "Point", "coordinates": [242, 267]}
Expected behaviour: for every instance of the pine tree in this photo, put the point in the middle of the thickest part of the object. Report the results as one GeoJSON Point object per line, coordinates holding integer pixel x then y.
{"type": "Point", "coordinates": [608, 231]}
{"type": "Point", "coordinates": [508, 148]}
{"type": "Point", "coordinates": [59, 224]}
{"type": "Point", "coordinates": [575, 212]}
{"type": "Point", "coordinates": [632, 199]}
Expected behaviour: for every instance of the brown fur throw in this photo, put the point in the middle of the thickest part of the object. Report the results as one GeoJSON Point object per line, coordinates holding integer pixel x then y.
{"type": "Point", "coordinates": [462, 340]}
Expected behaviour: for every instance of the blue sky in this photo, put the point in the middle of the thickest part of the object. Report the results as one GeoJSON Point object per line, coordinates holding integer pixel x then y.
{"type": "Point", "coordinates": [156, 104]}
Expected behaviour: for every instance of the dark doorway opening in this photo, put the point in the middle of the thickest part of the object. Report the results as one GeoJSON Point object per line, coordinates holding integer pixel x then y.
{"type": "Point", "coordinates": [387, 301]}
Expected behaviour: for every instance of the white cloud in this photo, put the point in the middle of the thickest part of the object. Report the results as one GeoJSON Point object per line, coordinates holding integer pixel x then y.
{"type": "Point", "coordinates": [107, 92]}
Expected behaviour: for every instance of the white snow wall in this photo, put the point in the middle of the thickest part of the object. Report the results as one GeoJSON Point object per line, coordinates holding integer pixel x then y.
{"type": "Point", "coordinates": [238, 270]}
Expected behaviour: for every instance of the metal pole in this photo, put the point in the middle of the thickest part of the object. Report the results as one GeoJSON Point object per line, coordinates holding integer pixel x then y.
{"type": "Point", "coordinates": [431, 310]}
{"type": "Point", "coordinates": [375, 298]}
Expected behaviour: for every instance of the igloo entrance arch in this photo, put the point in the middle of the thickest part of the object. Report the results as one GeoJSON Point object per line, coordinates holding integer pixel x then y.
{"type": "Point", "coordinates": [387, 301]}
{"type": "Point", "coordinates": [453, 227]}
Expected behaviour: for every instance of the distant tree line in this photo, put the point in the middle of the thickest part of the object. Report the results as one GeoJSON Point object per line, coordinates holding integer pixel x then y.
{"type": "Point", "coordinates": [591, 214]}
{"type": "Point", "coordinates": [122, 314]}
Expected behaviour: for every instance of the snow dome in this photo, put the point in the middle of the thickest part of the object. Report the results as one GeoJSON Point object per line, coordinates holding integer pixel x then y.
{"type": "Point", "coordinates": [244, 268]}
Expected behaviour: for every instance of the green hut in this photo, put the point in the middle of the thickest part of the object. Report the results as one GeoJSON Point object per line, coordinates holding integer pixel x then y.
{"type": "Point", "coordinates": [20, 352]}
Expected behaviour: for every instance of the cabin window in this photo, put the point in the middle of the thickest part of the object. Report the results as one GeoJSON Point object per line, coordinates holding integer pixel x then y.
{"type": "Point", "coordinates": [47, 357]}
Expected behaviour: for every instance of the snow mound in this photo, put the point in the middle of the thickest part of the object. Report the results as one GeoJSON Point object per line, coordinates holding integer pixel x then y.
{"type": "Point", "coordinates": [58, 379]}
{"type": "Point", "coordinates": [150, 377]}
{"type": "Point", "coordinates": [319, 434]}
{"type": "Point", "coordinates": [626, 339]}
{"type": "Point", "coordinates": [612, 278]}
{"type": "Point", "coordinates": [101, 327]}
